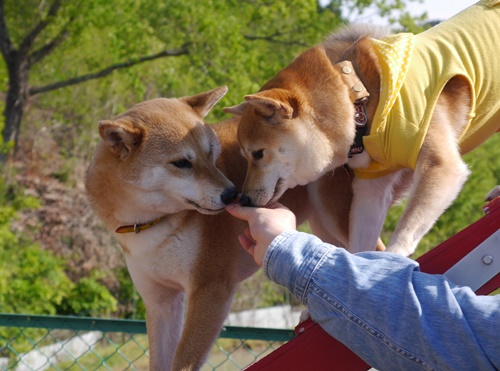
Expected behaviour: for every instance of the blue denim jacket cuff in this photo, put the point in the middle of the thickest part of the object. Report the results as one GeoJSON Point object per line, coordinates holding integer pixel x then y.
{"type": "Point", "coordinates": [289, 264]}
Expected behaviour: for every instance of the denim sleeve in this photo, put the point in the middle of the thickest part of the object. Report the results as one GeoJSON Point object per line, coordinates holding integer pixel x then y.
{"type": "Point", "coordinates": [384, 309]}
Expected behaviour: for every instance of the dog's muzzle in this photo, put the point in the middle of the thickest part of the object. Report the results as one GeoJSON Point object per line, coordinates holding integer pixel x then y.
{"type": "Point", "coordinates": [229, 195]}
{"type": "Point", "coordinates": [245, 200]}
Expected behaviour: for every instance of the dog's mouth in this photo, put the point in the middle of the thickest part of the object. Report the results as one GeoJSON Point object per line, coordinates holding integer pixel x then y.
{"type": "Point", "coordinates": [245, 199]}
{"type": "Point", "coordinates": [204, 210]}
{"type": "Point", "coordinates": [277, 191]}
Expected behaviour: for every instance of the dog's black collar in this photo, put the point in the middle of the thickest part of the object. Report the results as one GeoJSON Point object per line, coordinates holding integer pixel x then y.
{"type": "Point", "coordinates": [361, 123]}
{"type": "Point", "coordinates": [359, 95]}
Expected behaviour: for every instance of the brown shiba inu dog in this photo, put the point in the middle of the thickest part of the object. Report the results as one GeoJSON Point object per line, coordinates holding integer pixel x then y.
{"type": "Point", "coordinates": [400, 110]}
{"type": "Point", "coordinates": [154, 181]}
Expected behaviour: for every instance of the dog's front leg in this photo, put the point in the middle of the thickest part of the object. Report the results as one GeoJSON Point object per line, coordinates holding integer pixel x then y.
{"type": "Point", "coordinates": [208, 305]}
{"type": "Point", "coordinates": [164, 320]}
{"type": "Point", "coordinates": [371, 200]}
{"type": "Point", "coordinates": [438, 178]}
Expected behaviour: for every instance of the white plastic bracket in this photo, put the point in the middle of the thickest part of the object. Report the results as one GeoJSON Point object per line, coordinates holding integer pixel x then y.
{"type": "Point", "coordinates": [479, 266]}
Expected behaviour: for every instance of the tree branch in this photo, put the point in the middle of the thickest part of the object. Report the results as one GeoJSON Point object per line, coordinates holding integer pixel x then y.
{"type": "Point", "coordinates": [30, 38]}
{"type": "Point", "coordinates": [41, 53]}
{"type": "Point", "coordinates": [106, 71]}
{"type": "Point", "coordinates": [271, 38]}
{"type": "Point", "coordinates": [5, 42]}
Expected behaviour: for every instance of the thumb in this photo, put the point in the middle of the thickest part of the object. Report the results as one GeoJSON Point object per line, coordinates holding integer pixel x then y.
{"type": "Point", "coordinates": [239, 212]}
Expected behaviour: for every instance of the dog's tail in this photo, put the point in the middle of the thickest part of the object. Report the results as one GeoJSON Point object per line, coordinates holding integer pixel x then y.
{"type": "Point", "coordinates": [351, 33]}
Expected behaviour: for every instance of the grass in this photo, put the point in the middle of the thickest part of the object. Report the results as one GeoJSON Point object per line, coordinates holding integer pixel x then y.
{"type": "Point", "coordinates": [114, 352]}
{"type": "Point", "coordinates": [126, 352]}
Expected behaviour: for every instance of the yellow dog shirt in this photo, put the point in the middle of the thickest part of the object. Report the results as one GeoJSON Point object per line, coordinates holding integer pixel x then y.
{"type": "Point", "coordinates": [414, 71]}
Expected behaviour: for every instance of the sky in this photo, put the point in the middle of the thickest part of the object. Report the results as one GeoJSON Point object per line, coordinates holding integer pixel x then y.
{"type": "Point", "coordinates": [436, 10]}
{"type": "Point", "coordinates": [440, 9]}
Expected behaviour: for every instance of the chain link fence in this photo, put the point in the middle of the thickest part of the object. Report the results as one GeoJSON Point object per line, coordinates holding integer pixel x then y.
{"type": "Point", "coordinates": [76, 343]}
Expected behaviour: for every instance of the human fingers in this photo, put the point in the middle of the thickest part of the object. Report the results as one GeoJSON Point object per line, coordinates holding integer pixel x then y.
{"type": "Point", "coordinates": [243, 213]}
{"type": "Point", "coordinates": [248, 234]}
{"type": "Point", "coordinates": [247, 244]}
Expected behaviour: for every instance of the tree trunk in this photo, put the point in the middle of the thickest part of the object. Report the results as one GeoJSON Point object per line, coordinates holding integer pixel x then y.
{"type": "Point", "coordinates": [17, 98]}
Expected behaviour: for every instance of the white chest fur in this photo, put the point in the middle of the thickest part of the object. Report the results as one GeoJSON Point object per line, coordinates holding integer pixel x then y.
{"type": "Point", "coordinates": [163, 253]}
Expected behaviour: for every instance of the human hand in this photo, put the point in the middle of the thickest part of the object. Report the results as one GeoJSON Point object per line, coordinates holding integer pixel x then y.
{"type": "Point", "coordinates": [264, 224]}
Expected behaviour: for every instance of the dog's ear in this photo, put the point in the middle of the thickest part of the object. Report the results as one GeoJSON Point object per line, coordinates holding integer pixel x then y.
{"type": "Point", "coordinates": [120, 137]}
{"type": "Point", "coordinates": [236, 110]}
{"type": "Point", "coordinates": [202, 103]}
{"type": "Point", "coordinates": [270, 103]}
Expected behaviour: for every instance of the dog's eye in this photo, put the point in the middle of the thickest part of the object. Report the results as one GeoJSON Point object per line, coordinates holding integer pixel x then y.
{"type": "Point", "coordinates": [257, 155]}
{"type": "Point", "coordinates": [182, 164]}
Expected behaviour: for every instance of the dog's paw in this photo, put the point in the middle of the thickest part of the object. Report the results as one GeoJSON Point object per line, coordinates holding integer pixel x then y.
{"type": "Point", "coordinates": [495, 192]}
{"type": "Point", "coordinates": [304, 315]}
{"type": "Point", "coordinates": [398, 249]}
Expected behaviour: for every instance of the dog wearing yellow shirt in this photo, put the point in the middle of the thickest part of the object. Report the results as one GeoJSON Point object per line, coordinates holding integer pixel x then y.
{"type": "Point", "coordinates": [400, 110]}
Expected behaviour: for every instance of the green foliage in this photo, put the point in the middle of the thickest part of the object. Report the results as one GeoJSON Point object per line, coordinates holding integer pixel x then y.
{"type": "Point", "coordinates": [36, 283]}
{"type": "Point", "coordinates": [259, 292]}
{"type": "Point", "coordinates": [240, 44]}
{"type": "Point", "coordinates": [33, 280]}
{"type": "Point", "coordinates": [88, 298]}
{"type": "Point", "coordinates": [130, 303]}
{"type": "Point", "coordinates": [394, 12]}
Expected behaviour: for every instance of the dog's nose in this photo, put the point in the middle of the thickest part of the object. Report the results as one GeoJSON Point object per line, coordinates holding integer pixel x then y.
{"type": "Point", "coordinates": [229, 195]}
{"type": "Point", "coordinates": [245, 200]}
